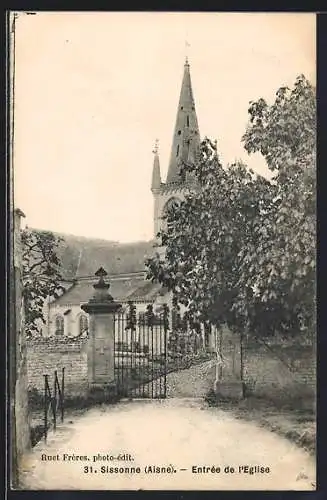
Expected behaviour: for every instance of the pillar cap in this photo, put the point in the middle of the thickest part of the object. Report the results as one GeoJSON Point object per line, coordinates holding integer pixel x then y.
{"type": "Point", "coordinates": [102, 301]}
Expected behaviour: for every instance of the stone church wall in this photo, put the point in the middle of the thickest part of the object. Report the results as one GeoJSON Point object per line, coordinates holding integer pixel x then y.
{"type": "Point", "coordinates": [71, 320]}
{"type": "Point", "coordinates": [160, 200]}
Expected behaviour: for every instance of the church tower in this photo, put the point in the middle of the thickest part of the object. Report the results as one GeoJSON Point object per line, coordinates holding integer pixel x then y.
{"type": "Point", "coordinates": [185, 146]}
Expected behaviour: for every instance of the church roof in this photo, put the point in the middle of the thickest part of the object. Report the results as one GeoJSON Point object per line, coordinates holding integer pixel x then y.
{"type": "Point", "coordinates": [186, 139]}
{"type": "Point", "coordinates": [122, 289]}
{"type": "Point", "coordinates": [127, 288]}
{"type": "Point", "coordinates": [146, 291]}
{"type": "Point", "coordinates": [81, 257]}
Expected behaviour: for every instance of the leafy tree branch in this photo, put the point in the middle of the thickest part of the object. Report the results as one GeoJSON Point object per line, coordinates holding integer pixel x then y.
{"type": "Point", "coordinates": [240, 249]}
{"type": "Point", "coordinates": [41, 275]}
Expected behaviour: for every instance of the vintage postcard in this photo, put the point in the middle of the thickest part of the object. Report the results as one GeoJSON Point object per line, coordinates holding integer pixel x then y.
{"type": "Point", "coordinates": [163, 194]}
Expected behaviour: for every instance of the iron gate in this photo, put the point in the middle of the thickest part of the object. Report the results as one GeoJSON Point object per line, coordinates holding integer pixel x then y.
{"type": "Point", "coordinates": [141, 353]}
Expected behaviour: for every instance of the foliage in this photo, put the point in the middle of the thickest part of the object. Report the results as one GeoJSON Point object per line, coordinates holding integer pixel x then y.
{"type": "Point", "coordinates": [131, 317]}
{"type": "Point", "coordinates": [240, 247]}
{"type": "Point", "coordinates": [41, 275]}
{"type": "Point", "coordinates": [285, 134]}
{"type": "Point", "coordinates": [185, 335]}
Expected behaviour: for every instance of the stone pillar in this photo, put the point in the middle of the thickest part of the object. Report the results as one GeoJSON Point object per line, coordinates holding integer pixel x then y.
{"type": "Point", "coordinates": [230, 384]}
{"type": "Point", "coordinates": [100, 350]}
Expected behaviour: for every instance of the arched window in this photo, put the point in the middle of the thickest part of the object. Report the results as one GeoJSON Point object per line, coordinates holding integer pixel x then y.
{"type": "Point", "coordinates": [83, 324]}
{"type": "Point", "coordinates": [59, 323]}
{"type": "Point", "coordinates": [172, 202]}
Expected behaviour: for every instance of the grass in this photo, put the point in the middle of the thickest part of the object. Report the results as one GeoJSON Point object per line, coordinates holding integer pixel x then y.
{"type": "Point", "coordinates": [292, 420]}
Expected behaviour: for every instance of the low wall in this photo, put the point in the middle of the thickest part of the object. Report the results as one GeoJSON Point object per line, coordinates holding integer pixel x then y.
{"type": "Point", "coordinates": [279, 371]}
{"type": "Point", "coordinates": [45, 355]}
{"type": "Point", "coordinates": [272, 371]}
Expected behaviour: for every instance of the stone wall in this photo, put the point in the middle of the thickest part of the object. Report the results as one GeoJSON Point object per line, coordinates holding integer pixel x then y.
{"type": "Point", "coordinates": [280, 371]}
{"type": "Point", "coordinates": [161, 197]}
{"type": "Point", "coordinates": [276, 371]}
{"type": "Point", "coordinates": [45, 355]}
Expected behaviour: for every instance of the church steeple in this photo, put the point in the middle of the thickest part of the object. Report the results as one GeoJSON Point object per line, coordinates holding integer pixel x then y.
{"type": "Point", "coordinates": [186, 139]}
{"type": "Point", "coordinates": [185, 148]}
{"type": "Point", "coordinates": [156, 176]}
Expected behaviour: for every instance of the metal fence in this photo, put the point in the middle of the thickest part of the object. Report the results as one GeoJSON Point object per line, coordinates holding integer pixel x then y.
{"type": "Point", "coordinates": [53, 401]}
{"type": "Point", "coordinates": [141, 354]}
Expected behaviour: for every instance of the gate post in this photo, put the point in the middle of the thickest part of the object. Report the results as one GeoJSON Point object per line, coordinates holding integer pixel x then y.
{"type": "Point", "coordinates": [230, 384]}
{"type": "Point", "coordinates": [100, 350]}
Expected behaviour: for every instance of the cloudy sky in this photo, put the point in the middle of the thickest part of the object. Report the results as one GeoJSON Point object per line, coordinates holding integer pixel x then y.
{"type": "Point", "coordinates": [94, 90]}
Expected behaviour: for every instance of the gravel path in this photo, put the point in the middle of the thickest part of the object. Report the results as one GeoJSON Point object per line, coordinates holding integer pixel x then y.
{"type": "Point", "coordinates": [176, 433]}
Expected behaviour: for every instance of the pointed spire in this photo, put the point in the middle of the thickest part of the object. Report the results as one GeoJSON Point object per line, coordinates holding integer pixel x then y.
{"type": "Point", "coordinates": [156, 176]}
{"type": "Point", "coordinates": [187, 45]}
{"type": "Point", "coordinates": [186, 139]}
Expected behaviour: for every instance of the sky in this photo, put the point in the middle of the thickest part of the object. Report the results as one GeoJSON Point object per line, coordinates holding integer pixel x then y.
{"type": "Point", "coordinates": [93, 91]}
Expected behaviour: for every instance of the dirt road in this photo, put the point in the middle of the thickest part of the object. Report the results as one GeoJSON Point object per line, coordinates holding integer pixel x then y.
{"type": "Point", "coordinates": [195, 447]}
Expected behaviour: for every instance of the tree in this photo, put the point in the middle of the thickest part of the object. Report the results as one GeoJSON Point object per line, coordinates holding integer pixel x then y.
{"type": "Point", "coordinates": [41, 275]}
{"type": "Point", "coordinates": [234, 252]}
{"type": "Point", "coordinates": [285, 134]}
{"type": "Point", "coordinates": [205, 235]}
